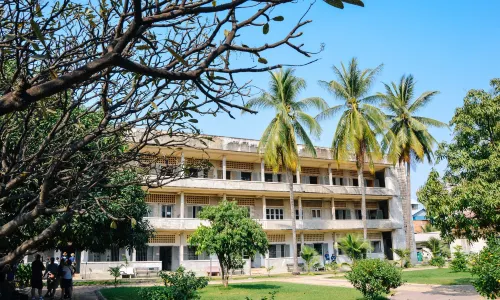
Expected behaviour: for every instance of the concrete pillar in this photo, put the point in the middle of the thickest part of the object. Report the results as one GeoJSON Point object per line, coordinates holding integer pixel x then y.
{"type": "Point", "coordinates": [181, 249]}
{"type": "Point", "coordinates": [224, 167]}
{"type": "Point", "coordinates": [301, 240]}
{"type": "Point", "coordinates": [264, 212]}
{"type": "Point", "coordinates": [333, 208]}
{"type": "Point", "coordinates": [182, 205]}
{"type": "Point", "coordinates": [266, 260]}
{"type": "Point", "coordinates": [182, 164]}
{"type": "Point", "coordinates": [297, 174]}
{"type": "Point", "coordinates": [262, 171]}
{"type": "Point", "coordinates": [301, 217]}
{"type": "Point", "coordinates": [330, 177]}
{"type": "Point", "coordinates": [134, 255]}
{"type": "Point", "coordinates": [224, 197]}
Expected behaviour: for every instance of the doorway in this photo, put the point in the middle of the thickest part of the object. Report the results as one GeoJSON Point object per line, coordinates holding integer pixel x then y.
{"type": "Point", "coordinates": [166, 258]}
{"type": "Point", "coordinates": [387, 240]}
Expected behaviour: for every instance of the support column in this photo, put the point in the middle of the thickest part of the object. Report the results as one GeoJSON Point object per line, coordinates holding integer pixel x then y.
{"type": "Point", "coordinates": [301, 217]}
{"type": "Point", "coordinates": [182, 164]}
{"type": "Point", "coordinates": [182, 205]}
{"type": "Point", "coordinates": [181, 249]}
{"type": "Point", "coordinates": [330, 177]}
{"type": "Point", "coordinates": [134, 255]}
{"type": "Point", "coordinates": [297, 174]}
{"type": "Point", "coordinates": [262, 171]}
{"type": "Point", "coordinates": [224, 167]}
{"type": "Point", "coordinates": [301, 240]}
{"type": "Point", "coordinates": [224, 197]}
{"type": "Point", "coordinates": [333, 208]}
{"type": "Point", "coordinates": [264, 210]}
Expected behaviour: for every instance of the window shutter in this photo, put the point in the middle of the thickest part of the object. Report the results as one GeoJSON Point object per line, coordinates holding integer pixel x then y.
{"type": "Point", "coordinates": [186, 254]}
{"type": "Point", "coordinates": [348, 214]}
{"type": "Point", "coordinates": [190, 212]}
{"type": "Point", "coordinates": [380, 214]}
{"type": "Point", "coordinates": [287, 251]}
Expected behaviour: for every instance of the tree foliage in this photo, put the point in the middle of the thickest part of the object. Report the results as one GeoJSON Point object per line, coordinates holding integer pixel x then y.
{"type": "Point", "coordinates": [231, 235]}
{"type": "Point", "coordinates": [354, 246]}
{"type": "Point", "coordinates": [486, 267]}
{"type": "Point", "coordinates": [459, 263]}
{"type": "Point", "coordinates": [465, 203]}
{"type": "Point", "coordinates": [404, 257]}
{"type": "Point", "coordinates": [310, 256]}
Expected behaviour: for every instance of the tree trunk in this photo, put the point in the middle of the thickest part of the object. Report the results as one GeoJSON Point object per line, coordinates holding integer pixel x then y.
{"type": "Point", "coordinates": [225, 276]}
{"type": "Point", "coordinates": [361, 183]}
{"type": "Point", "coordinates": [294, 225]}
{"type": "Point", "coordinates": [409, 231]}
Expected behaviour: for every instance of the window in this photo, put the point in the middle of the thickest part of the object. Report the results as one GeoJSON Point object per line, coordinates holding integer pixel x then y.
{"type": "Point", "coordinates": [193, 172]}
{"type": "Point", "coordinates": [247, 176]}
{"type": "Point", "coordinates": [279, 177]}
{"type": "Point", "coordinates": [228, 175]}
{"type": "Point", "coordinates": [144, 254]}
{"type": "Point", "coordinates": [414, 206]}
{"type": "Point", "coordinates": [376, 246]}
{"type": "Point", "coordinates": [115, 254]}
{"type": "Point", "coordinates": [279, 250]}
{"type": "Point", "coordinates": [167, 211]}
{"type": "Point", "coordinates": [95, 257]}
{"type": "Point", "coordinates": [357, 214]}
{"type": "Point", "coordinates": [194, 211]}
{"type": "Point", "coordinates": [341, 181]}
{"type": "Point", "coordinates": [368, 183]}
{"type": "Point", "coordinates": [268, 177]}
{"type": "Point", "coordinates": [342, 214]}
{"type": "Point", "coordinates": [294, 178]}
{"type": "Point", "coordinates": [316, 213]}
{"type": "Point", "coordinates": [375, 214]}
{"type": "Point", "coordinates": [297, 216]}
{"type": "Point", "coordinates": [190, 254]}
{"type": "Point", "coordinates": [274, 213]}
{"type": "Point", "coordinates": [318, 248]}
{"type": "Point", "coordinates": [355, 182]}
{"type": "Point", "coordinates": [151, 210]}
{"type": "Point", "coordinates": [313, 179]}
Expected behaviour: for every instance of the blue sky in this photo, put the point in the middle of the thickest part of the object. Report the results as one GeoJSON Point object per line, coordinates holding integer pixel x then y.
{"type": "Point", "coordinates": [449, 46]}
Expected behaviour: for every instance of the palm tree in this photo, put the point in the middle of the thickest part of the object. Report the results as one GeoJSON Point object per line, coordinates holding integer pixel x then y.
{"type": "Point", "coordinates": [354, 246]}
{"type": "Point", "coordinates": [310, 256]}
{"type": "Point", "coordinates": [359, 124]}
{"type": "Point", "coordinates": [408, 139]}
{"type": "Point", "coordinates": [290, 124]}
{"type": "Point", "coordinates": [404, 256]}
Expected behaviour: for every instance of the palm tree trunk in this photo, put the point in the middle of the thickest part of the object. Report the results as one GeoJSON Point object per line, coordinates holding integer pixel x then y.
{"type": "Point", "coordinates": [361, 183]}
{"type": "Point", "coordinates": [409, 232]}
{"type": "Point", "coordinates": [289, 176]}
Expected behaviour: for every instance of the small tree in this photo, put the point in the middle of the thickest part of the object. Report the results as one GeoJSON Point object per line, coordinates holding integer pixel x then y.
{"type": "Point", "coordinates": [115, 272]}
{"type": "Point", "coordinates": [459, 262]}
{"type": "Point", "coordinates": [404, 256]}
{"type": "Point", "coordinates": [354, 246]}
{"type": "Point", "coordinates": [231, 235]}
{"type": "Point", "coordinates": [309, 255]}
{"type": "Point", "coordinates": [486, 267]}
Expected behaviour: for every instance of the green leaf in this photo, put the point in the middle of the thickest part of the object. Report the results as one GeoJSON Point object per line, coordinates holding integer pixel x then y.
{"type": "Point", "coordinates": [214, 3]}
{"type": "Point", "coordinates": [133, 222]}
{"type": "Point", "coordinates": [335, 3]}
{"type": "Point", "coordinates": [177, 56]}
{"type": "Point", "coordinates": [355, 2]}
{"type": "Point", "coordinates": [193, 120]}
{"type": "Point", "coordinates": [262, 60]}
{"type": "Point", "coordinates": [39, 10]}
{"type": "Point", "coordinates": [113, 225]}
{"type": "Point", "coordinates": [265, 29]}
{"type": "Point", "coordinates": [278, 18]}
{"type": "Point", "coordinates": [154, 105]}
{"type": "Point", "coordinates": [37, 31]}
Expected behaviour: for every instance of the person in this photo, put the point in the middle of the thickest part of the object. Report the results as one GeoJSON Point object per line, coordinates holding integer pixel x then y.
{"type": "Point", "coordinates": [37, 269]}
{"type": "Point", "coordinates": [72, 258]}
{"type": "Point", "coordinates": [64, 256]}
{"type": "Point", "coordinates": [57, 261]}
{"type": "Point", "coordinates": [51, 272]}
{"type": "Point", "coordinates": [66, 280]}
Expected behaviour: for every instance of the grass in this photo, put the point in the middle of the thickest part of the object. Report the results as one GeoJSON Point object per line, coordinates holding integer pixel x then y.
{"type": "Point", "coordinates": [443, 276]}
{"type": "Point", "coordinates": [288, 291]}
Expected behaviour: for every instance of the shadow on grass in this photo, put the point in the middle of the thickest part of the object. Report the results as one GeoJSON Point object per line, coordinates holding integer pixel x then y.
{"type": "Point", "coordinates": [254, 286]}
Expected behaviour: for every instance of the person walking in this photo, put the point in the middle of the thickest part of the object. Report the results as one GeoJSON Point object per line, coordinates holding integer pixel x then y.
{"type": "Point", "coordinates": [37, 269]}
{"type": "Point", "coordinates": [51, 272]}
{"type": "Point", "coordinates": [66, 280]}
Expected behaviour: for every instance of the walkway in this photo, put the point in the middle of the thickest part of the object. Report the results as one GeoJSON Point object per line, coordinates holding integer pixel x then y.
{"type": "Point", "coordinates": [405, 292]}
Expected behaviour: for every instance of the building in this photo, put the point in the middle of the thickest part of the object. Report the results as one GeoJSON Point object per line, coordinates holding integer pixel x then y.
{"type": "Point", "coordinates": [419, 217]}
{"type": "Point", "coordinates": [328, 206]}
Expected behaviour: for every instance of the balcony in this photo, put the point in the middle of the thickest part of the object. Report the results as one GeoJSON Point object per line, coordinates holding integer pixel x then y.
{"type": "Point", "coordinates": [224, 186]}
{"type": "Point", "coordinates": [192, 224]}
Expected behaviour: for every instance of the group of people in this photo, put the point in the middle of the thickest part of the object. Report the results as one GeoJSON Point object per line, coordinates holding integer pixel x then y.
{"type": "Point", "coordinates": [58, 272]}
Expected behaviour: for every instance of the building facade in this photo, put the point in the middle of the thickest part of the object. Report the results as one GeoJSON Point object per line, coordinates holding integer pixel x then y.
{"type": "Point", "coordinates": [327, 202]}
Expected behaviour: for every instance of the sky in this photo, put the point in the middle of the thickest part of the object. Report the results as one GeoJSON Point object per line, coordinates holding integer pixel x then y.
{"type": "Point", "coordinates": [449, 46]}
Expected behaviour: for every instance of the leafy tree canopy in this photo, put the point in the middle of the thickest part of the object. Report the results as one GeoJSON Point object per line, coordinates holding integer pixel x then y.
{"type": "Point", "coordinates": [464, 203]}
{"type": "Point", "coordinates": [230, 235]}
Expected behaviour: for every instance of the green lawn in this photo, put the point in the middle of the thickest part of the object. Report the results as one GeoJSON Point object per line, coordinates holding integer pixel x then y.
{"type": "Point", "coordinates": [437, 276]}
{"type": "Point", "coordinates": [285, 291]}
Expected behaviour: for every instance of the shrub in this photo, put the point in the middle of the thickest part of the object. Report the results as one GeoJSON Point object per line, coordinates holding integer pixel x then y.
{"type": "Point", "coordinates": [115, 272]}
{"type": "Point", "coordinates": [437, 261]}
{"type": "Point", "coordinates": [179, 285]}
{"type": "Point", "coordinates": [374, 278]}
{"type": "Point", "coordinates": [486, 267]}
{"type": "Point", "coordinates": [309, 255]}
{"type": "Point", "coordinates": [23, 274]}
{"type": "Point", "coordinates": [404, 257]}
{"type": "Point", "coordinates": [332, 266]}
{"type": "Point", "coordinates": [459, 262]}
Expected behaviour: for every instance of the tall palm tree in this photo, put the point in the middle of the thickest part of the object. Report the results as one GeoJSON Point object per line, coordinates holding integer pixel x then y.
{"type": "Point", "coordinates": [408, 139]}
{"type": "Point", "coordinates": [359, 124]}
{"type": "Point", "coordinates": [290, 124]}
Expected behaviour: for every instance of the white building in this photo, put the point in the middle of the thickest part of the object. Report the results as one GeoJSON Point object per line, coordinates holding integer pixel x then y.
{"type": "Point", "coordinates": [328, 206]}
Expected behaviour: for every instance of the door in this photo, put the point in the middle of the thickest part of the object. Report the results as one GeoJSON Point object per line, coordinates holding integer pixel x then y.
{"type": "Point", "coordinates": [166, 258]}
{"type": "Point", "coordinates": [387, 240]}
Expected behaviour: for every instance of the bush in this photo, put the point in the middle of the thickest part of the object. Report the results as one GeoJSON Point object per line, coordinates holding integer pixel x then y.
{"type": "Point", "coordinates": [374, 278]}
{"type": "Point", "coordinates": [179, 285]}
{"type": "Point", "coordinates": [459, 263]}
{"type": "Point", "coordinates": [115, 272]}
{"type": "Point", "coordinates": [23, 274]}
{"type": "Point", "coordinates": [486, 267]}
{"type": "Point", "coordinates": [437, 261]}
